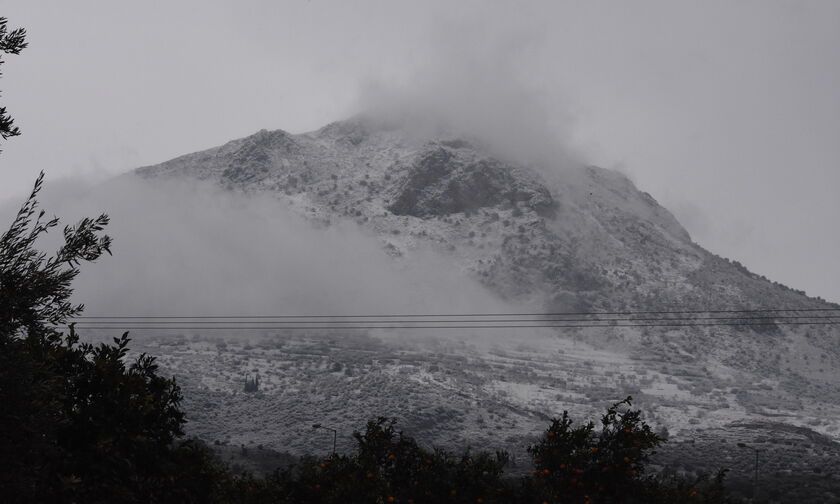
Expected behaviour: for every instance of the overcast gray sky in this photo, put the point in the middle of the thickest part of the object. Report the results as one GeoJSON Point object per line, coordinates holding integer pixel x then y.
{"type": "Point", "coordinates": [727, 112]}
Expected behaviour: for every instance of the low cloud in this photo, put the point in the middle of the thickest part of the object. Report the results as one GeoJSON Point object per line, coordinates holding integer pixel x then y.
{"type": "Point", "coordinates": [183, 248]}
{"type": "Point", "coordinates": [485, 85]}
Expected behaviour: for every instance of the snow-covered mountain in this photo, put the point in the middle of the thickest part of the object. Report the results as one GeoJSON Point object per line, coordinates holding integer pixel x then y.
{"type": "Point", "coordinates": [580, 237]}
{"type": "Point", "coordinates": [565, 238]}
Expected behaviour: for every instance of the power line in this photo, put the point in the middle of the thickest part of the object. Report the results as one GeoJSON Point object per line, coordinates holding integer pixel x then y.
{"type": "Point", "coordinates": [462, 326]}
{"type": "Point", "coordinates": [235, 320]}
{"type": "Point", "coordinates": [428, 315]}
{"type": "Point", "coordinates": [532, 320]}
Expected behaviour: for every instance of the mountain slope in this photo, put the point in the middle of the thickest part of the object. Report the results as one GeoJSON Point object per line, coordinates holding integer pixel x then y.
{"type": "Point", "coordinates": [566, 239]}
{"type": "Point", "coordinates": [588, 239]}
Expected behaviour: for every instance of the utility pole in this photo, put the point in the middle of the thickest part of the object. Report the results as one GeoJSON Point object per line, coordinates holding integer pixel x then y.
{"type": "Point", "coordinates": [335, 433]}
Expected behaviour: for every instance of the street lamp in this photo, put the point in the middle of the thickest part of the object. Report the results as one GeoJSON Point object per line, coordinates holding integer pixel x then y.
{"type": "Point", "coordinates": [335, 433]}
{"type": "Point", "coordinates": [755, 476]}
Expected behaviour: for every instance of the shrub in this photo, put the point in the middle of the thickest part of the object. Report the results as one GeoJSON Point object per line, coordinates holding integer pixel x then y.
{"type": "Point", "coordinates": [580, 463]}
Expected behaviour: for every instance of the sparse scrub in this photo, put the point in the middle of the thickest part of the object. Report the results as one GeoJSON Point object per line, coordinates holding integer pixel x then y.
{"type": "Point", "coordinates": [252, 384]}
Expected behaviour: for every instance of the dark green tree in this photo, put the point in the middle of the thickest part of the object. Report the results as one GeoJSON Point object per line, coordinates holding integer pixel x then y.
{"type": "Point", "coordinates": [35, 288]}
{"type": "Point", "coordinates": [11, 42]}
{"type": "Point", "coordinates": [392, 467]}
{"type": "Point", "coordinates": [78, 422]}
{"type": "Point", "coordinates": [580, 464]}
{"type": "Point", "coordinates": [34, 293]}
{"type": "Point", "coordinates": [81, 422]}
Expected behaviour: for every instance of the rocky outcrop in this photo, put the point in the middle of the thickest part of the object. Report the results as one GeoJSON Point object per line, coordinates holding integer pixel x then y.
{"type": "Point", "coordinates": [444, 181]}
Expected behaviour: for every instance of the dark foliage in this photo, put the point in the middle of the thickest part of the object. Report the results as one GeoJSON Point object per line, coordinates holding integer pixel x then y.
{"type": "Point", "coordinates": [579, 463]}
{"type": "Point", "coordinates": [78, 423]}
{"type": "Point", "coordinates": [35, 289]}
{"type": "Point", "coordinates": [252, 384]}
{"type": "Point", "coordinates": [391, 467]}
{"type": "Point", "coordinates": [11, 42]}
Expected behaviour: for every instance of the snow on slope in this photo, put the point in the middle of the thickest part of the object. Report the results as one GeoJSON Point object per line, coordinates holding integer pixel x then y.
{"type": "Point", "coordinates": [580, 239]}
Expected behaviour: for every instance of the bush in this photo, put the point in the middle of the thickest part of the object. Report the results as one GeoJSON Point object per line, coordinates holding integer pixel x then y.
{"type": "Point", "coordinates": [392, 467]}
{"type": "Point", "coordinates": [579, 463]}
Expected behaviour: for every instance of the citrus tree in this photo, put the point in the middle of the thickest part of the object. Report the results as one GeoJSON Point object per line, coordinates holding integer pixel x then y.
{"type": "Point", "coordinates": [390, 467]}
{"type": "Point", "coordinates": [580, 464]}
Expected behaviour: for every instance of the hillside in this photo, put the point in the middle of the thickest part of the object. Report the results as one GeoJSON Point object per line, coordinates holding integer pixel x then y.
{"type": "Point", "coordinates": [587, 237]}
{"type": "Point", "coordinates": [563, 238]}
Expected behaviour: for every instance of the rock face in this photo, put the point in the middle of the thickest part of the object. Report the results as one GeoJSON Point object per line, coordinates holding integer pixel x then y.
{"type": "Point", "coordinates": [447, 181]}
{"type": "Point", "coordinates": [571, 238]}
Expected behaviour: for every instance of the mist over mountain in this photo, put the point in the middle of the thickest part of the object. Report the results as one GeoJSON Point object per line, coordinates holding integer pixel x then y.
{"type": "Point", "coordinates": [383, 216]}
{"type": "Point", "coordinates": [573, 236]}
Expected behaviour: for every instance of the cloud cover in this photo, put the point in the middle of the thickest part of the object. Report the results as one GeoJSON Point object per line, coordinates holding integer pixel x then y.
{"type": "Point", "coordinates": [183, 248]}
{"type": "Point", "coordinates": [726, 112]}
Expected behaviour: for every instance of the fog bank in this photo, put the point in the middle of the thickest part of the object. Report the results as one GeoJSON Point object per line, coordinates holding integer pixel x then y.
{"type": "Point", "coordinates": [189, 249]}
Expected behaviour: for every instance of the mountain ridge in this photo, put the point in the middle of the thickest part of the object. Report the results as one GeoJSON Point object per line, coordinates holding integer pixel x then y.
{"type": "Point", "coordinates": [445, 178]}
{"type": "Point", "coordinates": [571, 238]}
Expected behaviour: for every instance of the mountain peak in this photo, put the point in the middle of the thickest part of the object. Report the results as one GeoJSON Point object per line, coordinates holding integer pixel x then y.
{"type": "Point", "coordinates": [589, 235]}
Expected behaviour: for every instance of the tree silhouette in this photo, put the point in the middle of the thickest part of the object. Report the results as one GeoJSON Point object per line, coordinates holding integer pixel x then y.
{"type": "Point", "coordinates": [604, 466]}
{"type": "Point", "coordinates": [81, 423]}
{"type": "Point", "coordinates": [11, 42]}
{"type": "Point", "coordinates": [35, 289]}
